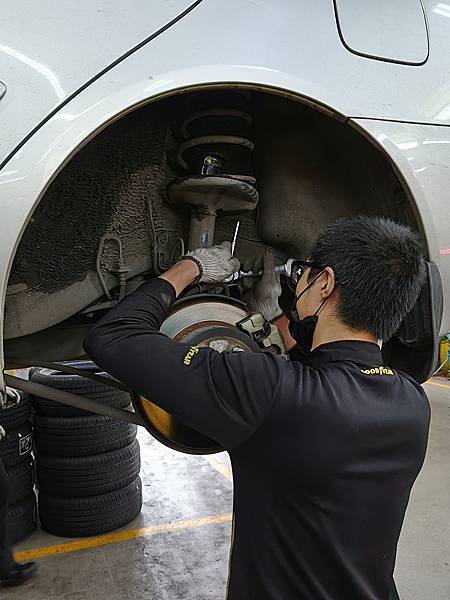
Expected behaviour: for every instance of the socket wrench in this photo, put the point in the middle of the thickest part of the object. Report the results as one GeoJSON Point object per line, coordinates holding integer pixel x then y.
{"type": "Point", "coordinates": [284, 269]}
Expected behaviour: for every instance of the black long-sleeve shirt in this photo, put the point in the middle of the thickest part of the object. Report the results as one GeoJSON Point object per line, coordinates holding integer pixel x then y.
{"type": "Point", "coordinates": [324, 451]}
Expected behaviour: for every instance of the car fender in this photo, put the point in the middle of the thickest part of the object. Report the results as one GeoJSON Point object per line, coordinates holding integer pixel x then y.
{"type": "Point", "coordinates": [421, 156]}
{"type": "Point", "coordinates": [51, 51]}
{"type": "Point", "coordinates": [45, 66]}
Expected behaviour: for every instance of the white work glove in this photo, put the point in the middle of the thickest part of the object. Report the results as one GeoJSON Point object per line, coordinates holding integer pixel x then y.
{"type": "Point", "coordinates": [215, 264]}
{"type": "Point", "coordinates": [261, 294]}
{"type": "Point", "coordinates": [2, 433]}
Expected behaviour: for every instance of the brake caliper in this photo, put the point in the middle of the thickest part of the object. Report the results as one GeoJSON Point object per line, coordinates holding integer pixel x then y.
{"type": "Point", "coordinates": [265, 334]}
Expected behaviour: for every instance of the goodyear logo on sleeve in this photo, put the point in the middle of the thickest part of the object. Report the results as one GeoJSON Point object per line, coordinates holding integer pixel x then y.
{"type": "Point", "coordinates": [378, 371]}
{"type": "Point", "coordinates": [190, 355]}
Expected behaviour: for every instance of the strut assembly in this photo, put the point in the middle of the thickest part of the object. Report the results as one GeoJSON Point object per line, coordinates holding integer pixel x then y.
{"type": "Point", "coordinates": [215, 144]}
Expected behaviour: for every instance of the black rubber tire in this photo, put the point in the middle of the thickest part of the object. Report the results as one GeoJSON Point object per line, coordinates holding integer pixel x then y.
{"type": "Point", "coordinates": [77, 517]}
{"type": "Point", "coordinates": [76, 385]}
{"type": "Point", "coordinates": [15, 416]}
{"type": "Point", "coordinates": [16, 447]}
{"type": "Point", "coordinates": [22, 481]}
{"type": "Point", "coordinates": [81, 436]}
{"type": "Point", "coordinates": [22, 519]}
{"type": "Point", "coordinates": [88, 475]}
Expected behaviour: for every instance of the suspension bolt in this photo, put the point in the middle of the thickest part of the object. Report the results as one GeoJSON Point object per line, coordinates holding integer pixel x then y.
{"type": "Point", "coordinates": [212, 164]}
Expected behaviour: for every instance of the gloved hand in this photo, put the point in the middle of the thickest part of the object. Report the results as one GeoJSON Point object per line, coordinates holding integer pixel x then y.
{"type": "Point", "coordinates": [261, 293]}
{"type": "Point", "coordinates": [2, 433]}
{"type": "Point", "coordinates": [215, 264]}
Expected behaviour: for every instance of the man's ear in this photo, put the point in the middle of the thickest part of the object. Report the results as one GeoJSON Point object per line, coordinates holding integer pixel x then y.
{"type": "Point", "coordinates": [328, 282]}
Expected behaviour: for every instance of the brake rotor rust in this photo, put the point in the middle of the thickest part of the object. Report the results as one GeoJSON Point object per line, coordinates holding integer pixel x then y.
{"type": "Point", "coordinates": [196, 326]}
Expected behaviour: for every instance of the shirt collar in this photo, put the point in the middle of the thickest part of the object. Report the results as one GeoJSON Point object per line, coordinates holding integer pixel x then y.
{"type": "Point", "coordinates": [346, 350]}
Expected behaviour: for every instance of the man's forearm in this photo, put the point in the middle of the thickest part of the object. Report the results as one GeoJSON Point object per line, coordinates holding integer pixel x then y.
{"type": "Point", "coordinates": [181, 275]}
{"type": "Point", "coordinates": [142, 312]}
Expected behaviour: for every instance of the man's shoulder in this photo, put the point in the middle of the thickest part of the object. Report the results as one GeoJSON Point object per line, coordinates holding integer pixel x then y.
{"type": "Point", "coordinates": [409, 379]}
{"type": "Point", "coordinates": [413, 392]}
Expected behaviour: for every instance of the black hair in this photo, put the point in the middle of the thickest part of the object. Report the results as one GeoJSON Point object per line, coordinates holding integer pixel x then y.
{"type": "Point", "coordinates": [379, 269]}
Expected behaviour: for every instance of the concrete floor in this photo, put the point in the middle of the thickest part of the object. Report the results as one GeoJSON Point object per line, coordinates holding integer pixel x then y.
{"type": "Point", "coordinates": [182, 554]}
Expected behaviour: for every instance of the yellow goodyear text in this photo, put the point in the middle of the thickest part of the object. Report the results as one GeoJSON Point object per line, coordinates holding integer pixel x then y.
{"type": "Point", "coordinates": [378, 371]}
{"type": "Point", "coordinates": [190, 355]}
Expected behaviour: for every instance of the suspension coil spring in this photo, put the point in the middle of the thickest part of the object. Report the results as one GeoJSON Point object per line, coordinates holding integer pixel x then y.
{"type": "Point", "coordinates": [215, 143]}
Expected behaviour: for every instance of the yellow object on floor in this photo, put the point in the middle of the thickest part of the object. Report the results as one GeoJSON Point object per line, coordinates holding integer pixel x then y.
{"type": "Point", "coordinates": [444, 354]}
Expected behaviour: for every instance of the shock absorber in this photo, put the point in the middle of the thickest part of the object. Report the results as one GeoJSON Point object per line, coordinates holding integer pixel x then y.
{"type": "Point", "coordinates": [214, 148]}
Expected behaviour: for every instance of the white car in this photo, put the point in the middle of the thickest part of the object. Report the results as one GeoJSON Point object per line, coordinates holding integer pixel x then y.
{"type": "Point", "coordinates": [131, 131]}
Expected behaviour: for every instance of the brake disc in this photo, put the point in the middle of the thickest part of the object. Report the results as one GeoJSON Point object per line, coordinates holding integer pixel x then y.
{"type": "Point", "coordinates": [210, 324]}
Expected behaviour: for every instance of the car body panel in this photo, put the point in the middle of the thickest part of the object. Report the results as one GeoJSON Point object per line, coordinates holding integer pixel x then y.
{"type": "Point", "coordinates": [386, 30]}
{"type": "Point", "coordinates": [295, 51]}
{"type": "Point", "coordinates": [301, 40]}
{"type": "Point", "coordinates": [49, 51]}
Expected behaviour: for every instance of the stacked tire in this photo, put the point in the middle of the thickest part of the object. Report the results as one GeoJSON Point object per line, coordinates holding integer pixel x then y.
{"type": "Point", "coordinates": [16, 455]}
{"type": "Point", "coordinates": [87, 465]}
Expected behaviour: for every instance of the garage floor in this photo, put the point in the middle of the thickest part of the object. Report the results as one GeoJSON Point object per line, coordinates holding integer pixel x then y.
{"type": "Point", "coordinates": [177, 549]}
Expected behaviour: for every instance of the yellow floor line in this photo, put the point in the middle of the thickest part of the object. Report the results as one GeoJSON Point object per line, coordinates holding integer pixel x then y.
{"type": "Point", "coordinates": [120, 536]}
{"type": "Point", "coordinates": [442, 385]}
{"type": "Point", "coordinates": [219, 466]}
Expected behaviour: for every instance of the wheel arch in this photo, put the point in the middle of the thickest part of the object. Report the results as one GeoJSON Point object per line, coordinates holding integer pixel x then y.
{"type": "Point", "coordinates": [29, 173]}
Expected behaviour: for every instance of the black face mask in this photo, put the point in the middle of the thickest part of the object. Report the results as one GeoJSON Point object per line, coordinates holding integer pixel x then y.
{"type": "Point", "coordinates": [302, 330]}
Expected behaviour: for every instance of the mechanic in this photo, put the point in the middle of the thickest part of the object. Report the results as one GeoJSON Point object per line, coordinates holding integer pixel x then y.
{"type": "Point", "coordinates": [324, 449]}
{"type": "Point", "coordinates": [11, 572]}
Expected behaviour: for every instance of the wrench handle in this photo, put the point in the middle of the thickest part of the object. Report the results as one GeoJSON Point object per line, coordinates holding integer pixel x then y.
{"type": "Point", "coordinates": [282, 269]}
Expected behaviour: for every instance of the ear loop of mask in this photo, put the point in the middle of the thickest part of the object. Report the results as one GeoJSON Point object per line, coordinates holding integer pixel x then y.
{"type": "Point", "coordinates": [297, 298]}
{"type": "Point", "coordinates": [320, 305]}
